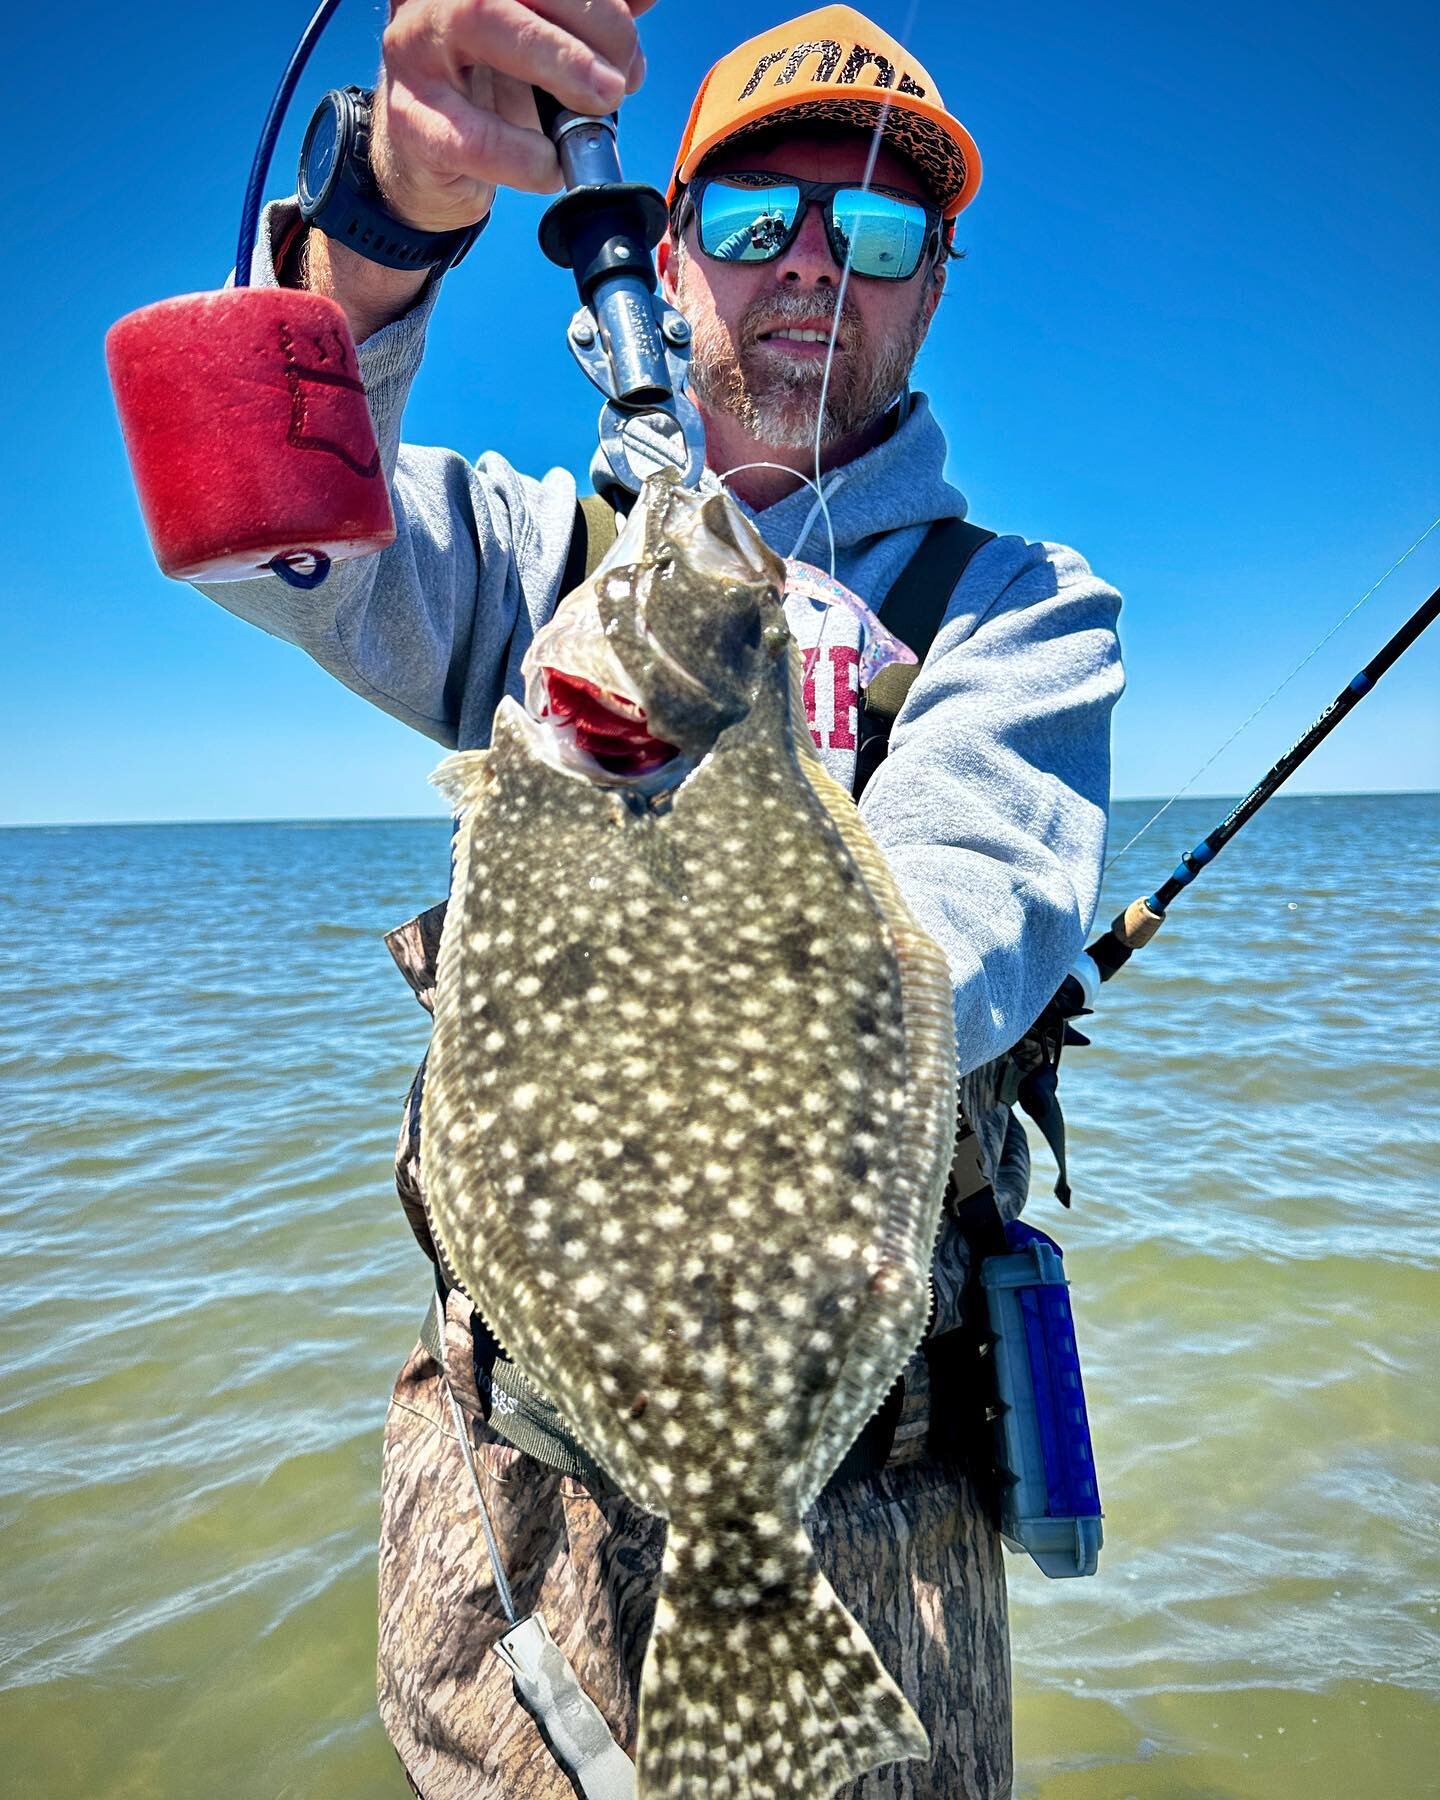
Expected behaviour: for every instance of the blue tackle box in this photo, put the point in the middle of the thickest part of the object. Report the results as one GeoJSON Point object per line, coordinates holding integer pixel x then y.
{"type": "Point", "coordinates": [1051, 1505]}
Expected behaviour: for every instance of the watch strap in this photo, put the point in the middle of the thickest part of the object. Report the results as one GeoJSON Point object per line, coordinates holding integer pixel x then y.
{"type": "Point", "coordinates": [353, 213]}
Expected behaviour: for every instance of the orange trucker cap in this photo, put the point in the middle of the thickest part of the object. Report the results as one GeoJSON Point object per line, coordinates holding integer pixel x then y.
{"type": "Point", "coordinates": [833, 67]}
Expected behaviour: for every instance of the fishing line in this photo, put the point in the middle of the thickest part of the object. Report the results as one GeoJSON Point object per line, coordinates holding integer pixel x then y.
{"type": "Point", "coordinates": [1245, 723]}
{"type": "Point", "coordinates": [865, 180]}
{"type": "Point", "coordinates": [785, 469]}
{"type": "Point", "coordinates": [817, 483]}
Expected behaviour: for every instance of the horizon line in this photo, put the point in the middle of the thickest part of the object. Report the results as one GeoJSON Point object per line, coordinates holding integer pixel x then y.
{"type": "Point", "coordinates": [440, 818]}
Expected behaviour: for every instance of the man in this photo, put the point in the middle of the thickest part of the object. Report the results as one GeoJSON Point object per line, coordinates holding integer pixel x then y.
{"type": "Point", "coordinates": [990, 806]}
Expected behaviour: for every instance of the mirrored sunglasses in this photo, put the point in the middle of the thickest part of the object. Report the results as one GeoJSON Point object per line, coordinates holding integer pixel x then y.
{"type": "Point", "coordinates": [752, 218]}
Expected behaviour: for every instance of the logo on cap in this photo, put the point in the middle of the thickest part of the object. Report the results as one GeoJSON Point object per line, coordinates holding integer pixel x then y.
{"type": "Point", "coordinates": [828, 51]}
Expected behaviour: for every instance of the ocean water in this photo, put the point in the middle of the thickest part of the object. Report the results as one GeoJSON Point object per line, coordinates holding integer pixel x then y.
{"type": "Point", "coordinates": [209, 1286]}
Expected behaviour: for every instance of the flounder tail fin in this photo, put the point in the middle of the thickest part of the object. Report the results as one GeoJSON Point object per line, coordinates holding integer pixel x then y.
{"type": "Point", "coordinates": [763, 1692]}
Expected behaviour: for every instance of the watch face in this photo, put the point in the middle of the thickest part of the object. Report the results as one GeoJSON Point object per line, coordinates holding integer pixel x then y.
{"type": "Point", "coordinates": [317, 159]}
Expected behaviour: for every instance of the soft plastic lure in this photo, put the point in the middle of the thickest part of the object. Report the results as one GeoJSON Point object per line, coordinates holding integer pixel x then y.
{"type": "Point", "coordinates": [879, 647]}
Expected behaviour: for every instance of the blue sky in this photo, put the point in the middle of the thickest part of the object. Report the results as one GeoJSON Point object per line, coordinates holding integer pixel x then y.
{"type": "Point", "coordinates": [1195, 337]}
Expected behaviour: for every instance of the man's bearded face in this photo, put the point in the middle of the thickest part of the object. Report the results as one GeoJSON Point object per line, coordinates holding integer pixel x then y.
{"type": "Point", "coordinates": [775, 393]}
{"type": "Point", "coordinates": [741, 363]}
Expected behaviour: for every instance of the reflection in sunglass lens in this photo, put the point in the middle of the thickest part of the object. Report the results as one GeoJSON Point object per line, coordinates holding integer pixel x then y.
{"type": "Point", "coordinates": [745, 224]}
{"type": "Point", "coordinates": [884, 234]}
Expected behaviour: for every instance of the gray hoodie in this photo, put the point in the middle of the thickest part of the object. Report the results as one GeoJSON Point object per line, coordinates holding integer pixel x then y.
{"type": "Point", "coordinates": [991, 805]}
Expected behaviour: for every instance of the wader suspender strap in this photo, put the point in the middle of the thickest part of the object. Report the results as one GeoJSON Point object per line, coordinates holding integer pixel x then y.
{"type": "Point", "coordinates": [913, 610]}
{"type": "Point", "coordinates": [595, 531]}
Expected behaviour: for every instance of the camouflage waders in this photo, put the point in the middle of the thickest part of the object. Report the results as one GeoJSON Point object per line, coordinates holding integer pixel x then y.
{"type": "Point", "coordinates": [908, 1548]}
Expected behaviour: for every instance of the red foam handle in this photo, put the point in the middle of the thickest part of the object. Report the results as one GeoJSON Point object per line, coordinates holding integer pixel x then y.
{"type": "Point", "coordinates": [248, 431]}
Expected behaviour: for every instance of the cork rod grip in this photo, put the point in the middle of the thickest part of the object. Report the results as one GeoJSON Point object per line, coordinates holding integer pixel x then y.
{"type": "Point", "coordinates": [1137, 924]}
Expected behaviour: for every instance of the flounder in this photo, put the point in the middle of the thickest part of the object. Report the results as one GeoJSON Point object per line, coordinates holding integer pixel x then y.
{"type": "Point", "coordinates": [689, 1108]}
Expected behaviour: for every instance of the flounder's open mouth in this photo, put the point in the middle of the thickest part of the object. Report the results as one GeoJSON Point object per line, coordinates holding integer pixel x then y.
{"type": "Point", "coordinates": [602, 724]}
{"type": "Point", "coordinates": [584, 709]}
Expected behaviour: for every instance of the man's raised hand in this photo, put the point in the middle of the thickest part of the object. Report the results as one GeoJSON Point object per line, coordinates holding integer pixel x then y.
{"type": "Point", "coordinates": [454, 116]}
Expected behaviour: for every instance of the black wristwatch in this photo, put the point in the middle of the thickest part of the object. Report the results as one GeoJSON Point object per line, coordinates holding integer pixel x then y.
{"type": "Point", "coordinates": [338, 192]}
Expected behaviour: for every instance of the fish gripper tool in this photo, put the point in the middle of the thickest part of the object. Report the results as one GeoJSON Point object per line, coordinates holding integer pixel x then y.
{"type": "Point", "coordinates": [626, 336]}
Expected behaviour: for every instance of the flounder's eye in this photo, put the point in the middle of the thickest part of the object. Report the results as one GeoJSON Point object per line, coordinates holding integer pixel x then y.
{"type": "Point", "coordinates": [712, 633]}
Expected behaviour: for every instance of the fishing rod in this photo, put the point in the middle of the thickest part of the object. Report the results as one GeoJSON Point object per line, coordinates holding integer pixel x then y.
{"type": "Point", "coordinates": [1143, 917]}
{"type": "Point", "coordinates": [1036, 1058]}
